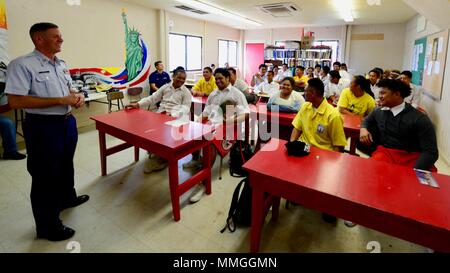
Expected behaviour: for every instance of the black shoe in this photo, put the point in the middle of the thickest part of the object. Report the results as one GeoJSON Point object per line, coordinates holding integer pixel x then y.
{"type": "Point", "coordinates": [80, 200]}
{"type": "Point", "coordinates": [14, 156]}
{"type": "Point", "coordinates": [329, 218]}
{"type": "Point", "coordinates": [60, 234]}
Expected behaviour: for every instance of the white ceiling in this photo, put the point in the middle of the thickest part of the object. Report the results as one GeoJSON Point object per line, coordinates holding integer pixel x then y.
{"type": "Point", "coordinates": [313, 12]}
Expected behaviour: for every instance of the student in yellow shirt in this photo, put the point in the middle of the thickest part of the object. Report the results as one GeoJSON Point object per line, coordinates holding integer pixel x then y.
{"type": "Point", "coordinates": [358, 99]}
{"type": "Point", "coordinates": [318, 123]}
{"type": "Point", "coordinates": [206, 84]}
{"type": "Point", "coordinates": [300, 79]}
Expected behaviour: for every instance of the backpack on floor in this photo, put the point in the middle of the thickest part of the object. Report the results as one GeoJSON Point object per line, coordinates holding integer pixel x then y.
{"type": "Point", "coordinates": [240, 212]}
{"type": "Point", "coordinates": [240, 153]}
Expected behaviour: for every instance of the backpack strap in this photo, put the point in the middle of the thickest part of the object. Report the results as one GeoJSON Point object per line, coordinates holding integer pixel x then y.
{"type": "Point", "coordinates": [234, 202]}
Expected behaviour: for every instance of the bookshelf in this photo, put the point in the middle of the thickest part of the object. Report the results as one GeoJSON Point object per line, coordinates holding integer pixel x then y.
{"type": "Point", "coordinates": [296, 57]}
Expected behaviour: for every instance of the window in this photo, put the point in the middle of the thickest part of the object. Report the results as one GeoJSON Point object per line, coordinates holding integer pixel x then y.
{"type": "Point", "coordinates": [227, 53]}
{"type": "Point", "coordinates": [334, 44]}
{"type": "Point", "coordinates": [185, 51]}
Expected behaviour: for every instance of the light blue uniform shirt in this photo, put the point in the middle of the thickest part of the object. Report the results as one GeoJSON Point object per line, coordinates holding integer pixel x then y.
{"type": "Point", "coordinates": [35, 75]}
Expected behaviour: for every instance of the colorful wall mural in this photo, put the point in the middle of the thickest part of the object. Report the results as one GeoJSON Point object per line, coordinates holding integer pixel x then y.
{"type": "Point", "coordinates": [136, 68]}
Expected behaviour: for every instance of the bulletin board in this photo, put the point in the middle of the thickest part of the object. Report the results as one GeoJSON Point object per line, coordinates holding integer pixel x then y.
{"type": "Point", "coordinates": [418, 61]}
{"type": "Point", "coordinates": [435, 57]}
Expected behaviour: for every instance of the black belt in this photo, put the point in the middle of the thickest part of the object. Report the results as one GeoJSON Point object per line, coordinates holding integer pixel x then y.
{"type": "Point", "coordinates": [47, 117]}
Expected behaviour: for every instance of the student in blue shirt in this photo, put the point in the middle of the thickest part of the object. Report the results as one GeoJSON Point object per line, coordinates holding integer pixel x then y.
{"type": "Point", "coordinates": [158, 78]}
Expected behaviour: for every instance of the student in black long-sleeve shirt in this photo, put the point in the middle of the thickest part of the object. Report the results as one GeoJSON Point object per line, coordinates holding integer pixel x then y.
{"type": "Point", "coordinates": [405, 135]}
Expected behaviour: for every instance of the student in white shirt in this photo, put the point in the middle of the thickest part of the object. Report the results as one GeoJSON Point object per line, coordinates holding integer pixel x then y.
{"type": "Point", "coordinates": [344, 72]}
{"type": "Point", "coordinates": [374, 77]}
{"type": "Point", "coordinates": [285, 100]}
{"type": "Point", "coordinates": [268, 87]}
{"type": "Point", "coordinates": [277, 75]}
{"type": "Point", "coordinates": [415, 98]}
{"type": "Point", "coordinates": [175, 100]}
{"type": "Point", "coordinates": [285, 72]}
{"type": "Point", "coordinates": [324, 74]}
{"type": "Point", "coordinates": [317, 70]}
{"type": "Point", "coordinates": [260, 76]}
{"type": "Point", "coordinates": [213, 113]}
{"type": "Point", "coordinates": [335, 86]}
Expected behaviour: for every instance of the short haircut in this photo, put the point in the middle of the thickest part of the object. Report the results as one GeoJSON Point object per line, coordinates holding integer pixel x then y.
{"type": "Point", "coordinates": [318, 65]}
{"type": "Point", "coordinates": [395, 86]}
{"type": "Point", "coordinates": [270, 72]}
{"type": "Point", "coordinates": [407, 73]}
{"type": "Point", "coordinates": [334, 74]}
{"type": "Point", "coordinates": [208, 68]}
{"type": "Point", "coordinates": [376, 71]}
{"type": "Point", "coordinates": [157, 63]}
{"type": "Point", "coordinates": [285, 64]}
{"type": "Point", "coordinates": [291, 80]}
{"type": "Point", "coordinates": [275, 66]}
{"type": "Point", "coordinates": [317, 85]}
{"type": "Point", "coordinates": [337, 63]}
{"type": "Point", "coordinates": [326, 69]}
{"type": "Point", "coordinates": [41, 27]}
{"type": "Point", "coordinates": [300, 67]}
{"type": "Point", "coordinates": [222, 71]}
{"type": "Point", "coordinates": [231, 70]}
{"type": "Point", "coordinates": [179, 69]}
{"type": "Point", "coordinates": [262, 65]}
{"type": "Point", "coordinates": [343, 65]}
{"type": "Point", "coordinates": [379, 69]}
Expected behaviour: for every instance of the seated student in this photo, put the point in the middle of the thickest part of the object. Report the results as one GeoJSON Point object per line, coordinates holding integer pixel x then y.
{"type": "Point", "coordinates": [175, 100]}
{"type": "Point", "coordinates": [270, 87]}
{"type": "Point", "coordinates": [213, 114]}
{"type": "Point", "coordinates": [285, 100]}
{"type": "Point", "coordinates": [374, 77]}
{"type": "Point", "coordinates": [260, 76]}
{"type": "Point", "coordinates": [300, 79]}
{"type": "Point", "coordinates": [395, 73]}
{"type": "Point", "coordinates": [158, 78]}
{"type": "Point", "coordinates": [344, 72]}
{"type": "Point", "coordinates": [238, 83]}
{"type": "Point", "coordinates": [277, 75]}
{"type": "Point", "coordinates": [415, 98]}
{"type": "Point", "coordinates": [319, 124]}
{"type": "Point", "coordinates": [285, 72]}
{"type": "Point", "coordinates": [357, 99]}
{"type": "Point", "coordinates": [310, 72]}
{"type": "Point", "coordinates": [206, 84]}
{"type": "Point", "coordinates": [317, 70]}
{"type": "Point", "coordinates": [335, 86]}
{"type": "Point", "coordinates": [324, 75]}
{"type": "Point", "coordinates": [405, 135]}
{"type": "Point", "coordinates": [337, 66]}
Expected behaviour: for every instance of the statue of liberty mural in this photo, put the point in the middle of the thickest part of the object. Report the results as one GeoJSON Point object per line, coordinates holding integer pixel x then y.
{"type": "Point", "coordinates": [133, 61]}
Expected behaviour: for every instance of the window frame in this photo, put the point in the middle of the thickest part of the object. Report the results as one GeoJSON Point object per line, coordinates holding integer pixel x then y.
{"type": "Point", "coordinates": [185, 50]}
{"type": "Point", "coordinates": [228, 51]}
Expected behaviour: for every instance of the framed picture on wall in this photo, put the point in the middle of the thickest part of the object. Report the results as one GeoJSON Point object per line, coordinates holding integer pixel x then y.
{"type": "Point", "coordinates": [434, 52]}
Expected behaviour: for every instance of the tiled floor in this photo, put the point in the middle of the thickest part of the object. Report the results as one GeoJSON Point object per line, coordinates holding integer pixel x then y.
{"type": "Point", "coordinates": [130, 211]}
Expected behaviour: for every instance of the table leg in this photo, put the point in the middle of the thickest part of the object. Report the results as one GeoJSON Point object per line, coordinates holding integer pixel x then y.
{"type": "Point", "coordinates": [207, 167]}
{"type": "Point", "coordinates": [102, 142]}
{"type": "Point", "coordinates": [275, 208]}
{"type": "Point", "coordinates": [353, 142]}
{"type": "Point", "coordinates": [173, 181]}
{"type": "Point", "coordinates": [257, 218]}
{"type": "Point", "coordinates": [136, 153]}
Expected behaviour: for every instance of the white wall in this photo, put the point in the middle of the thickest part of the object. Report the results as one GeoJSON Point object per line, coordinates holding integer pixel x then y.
{"type": "Point", "coordinates": [387, 53]}
{"type": "Point", "coordinates": [438, 111]}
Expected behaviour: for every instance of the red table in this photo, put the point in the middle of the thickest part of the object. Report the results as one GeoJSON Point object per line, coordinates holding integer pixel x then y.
{"type": "Point", "coordinates": [377, 195]}
{"type": "Point", "coordinates": [352, 125]}
{"type": "Point", "coordinates": [147, 130]}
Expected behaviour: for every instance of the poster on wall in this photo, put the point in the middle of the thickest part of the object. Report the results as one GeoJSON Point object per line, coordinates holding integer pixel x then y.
{"type": "Point", "coordinates": [418, 60]}
{"type": "Point", "coordinates": [136, 68]}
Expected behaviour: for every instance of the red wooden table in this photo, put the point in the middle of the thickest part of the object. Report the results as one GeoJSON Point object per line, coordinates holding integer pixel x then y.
{"type": "Point", "coordinates": [147, 130]}
{"type": "Point", "coordinates": [377, 195]}
{"type": "Point", "coordinates": [352, 124]}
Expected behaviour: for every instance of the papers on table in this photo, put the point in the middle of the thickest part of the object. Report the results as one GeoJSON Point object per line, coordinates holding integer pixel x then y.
{"type": "Point", "coordinates": [177, 122]}
{"type": "Point", "coordinates": [426, 178]}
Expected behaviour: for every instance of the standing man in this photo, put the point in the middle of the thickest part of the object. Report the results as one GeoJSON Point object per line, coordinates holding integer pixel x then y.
{"type": "Point", "coordinates": [40, 83]}
{"type": "Point", "coordinates": [158, 78]}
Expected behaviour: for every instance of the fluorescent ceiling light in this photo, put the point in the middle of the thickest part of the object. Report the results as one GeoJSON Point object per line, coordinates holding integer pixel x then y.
{"type": "Point", "coordinates": [345, 9]}
{"type": "Point", "coordinates": [215, 10]}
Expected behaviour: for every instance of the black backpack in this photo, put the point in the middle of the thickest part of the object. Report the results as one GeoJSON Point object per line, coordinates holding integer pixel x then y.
{"type": "Point", "coordinates": [240, 212]}
{"type": "Point", "coordinates": [240, 152]}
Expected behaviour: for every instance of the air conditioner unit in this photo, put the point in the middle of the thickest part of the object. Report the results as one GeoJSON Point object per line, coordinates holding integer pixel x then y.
{"type": "Point", "coordinates": [280, 9]}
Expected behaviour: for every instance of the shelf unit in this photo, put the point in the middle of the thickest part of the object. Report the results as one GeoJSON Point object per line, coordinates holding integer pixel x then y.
{"type": "Point", "coordinates": [296, 57]}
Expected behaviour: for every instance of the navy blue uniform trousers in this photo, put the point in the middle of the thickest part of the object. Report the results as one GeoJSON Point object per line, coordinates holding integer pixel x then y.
{"type": "Point", "coordinates": [51, 141]}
